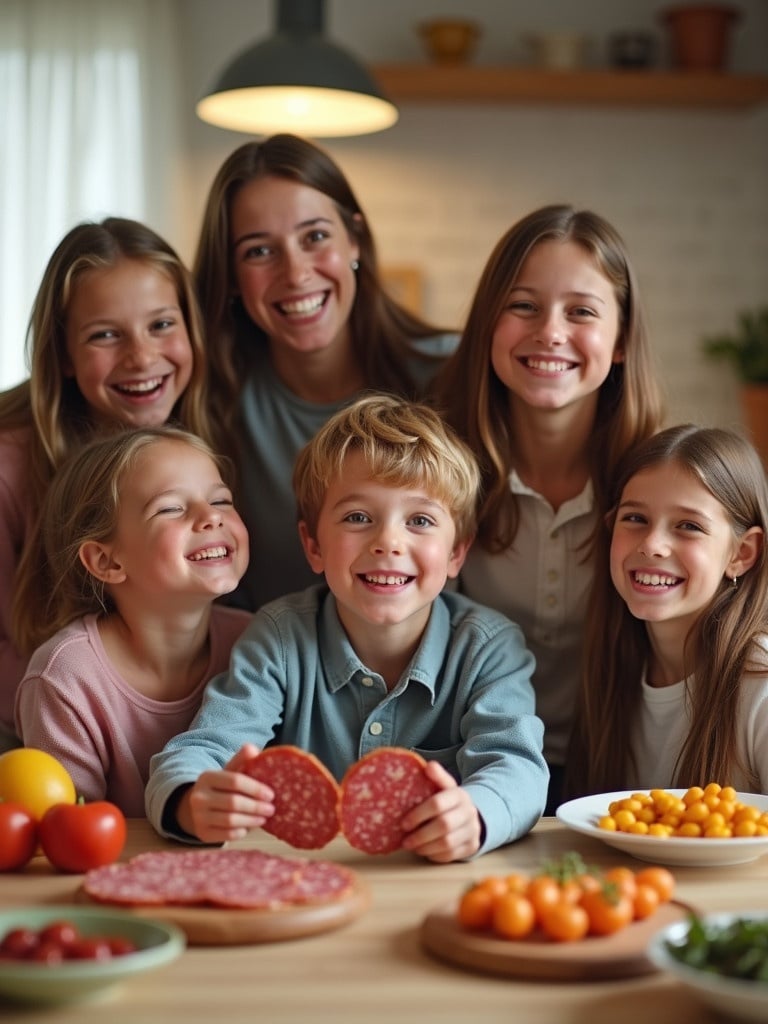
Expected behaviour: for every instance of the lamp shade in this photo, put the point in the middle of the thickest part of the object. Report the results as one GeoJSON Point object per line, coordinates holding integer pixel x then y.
{"type": "Point", "coordinates": [297, 81]}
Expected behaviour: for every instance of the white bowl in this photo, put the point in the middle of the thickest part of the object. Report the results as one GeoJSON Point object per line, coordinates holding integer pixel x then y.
{"type": "Point", "coordinates": [734, 997]}
{"type": "Point", "coordinates": [582, 815]}
{"type": "Point", "coordinates": [80, 980]}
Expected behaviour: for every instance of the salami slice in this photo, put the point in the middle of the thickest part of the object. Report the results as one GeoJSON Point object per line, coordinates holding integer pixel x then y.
{"type": "Point", "coordinates": [306, 796]}
{"type": "Point", "coordinates": [242, 879]}
{"type": "Point", "coordinates": [376, 792]}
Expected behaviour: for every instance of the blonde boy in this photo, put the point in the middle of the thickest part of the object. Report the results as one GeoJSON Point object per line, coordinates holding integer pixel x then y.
{"type": "Point", "coordinates": [378, 655]}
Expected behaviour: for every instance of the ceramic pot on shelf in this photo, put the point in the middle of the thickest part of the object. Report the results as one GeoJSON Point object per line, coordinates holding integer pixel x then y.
{"type": "Point", "coordinates": [700, 35]}
{"type": "Point", "coordinates": [449, 40]}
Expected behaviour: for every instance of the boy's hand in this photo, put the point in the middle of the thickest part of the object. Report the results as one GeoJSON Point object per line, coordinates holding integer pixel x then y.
{"type": "Point", "coordinates": [446, 826]}
{"type": "Point", "coordinates": [226, 804]}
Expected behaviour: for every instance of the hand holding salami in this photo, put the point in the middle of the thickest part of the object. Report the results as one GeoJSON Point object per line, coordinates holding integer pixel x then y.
{"type": "Point", "coordinates": [306, 796]}
{"type": "Point", "coordinates": [367, 807]}
{"type": "Point", "coordinates": [376, 792]}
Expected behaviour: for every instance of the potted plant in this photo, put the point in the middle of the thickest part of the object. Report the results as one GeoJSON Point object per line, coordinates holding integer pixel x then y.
{"type": "Point", "coordinates": [746, 348]}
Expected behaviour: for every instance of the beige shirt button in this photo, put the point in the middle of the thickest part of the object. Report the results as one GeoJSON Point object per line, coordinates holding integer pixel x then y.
{"type": "Point", "coordinates": [553, 576]}
{"type": "Point", "coordinates": [551, 600]}
{"type": "Point", "coordinates": [366, 681]}
{"type": "Point", "coordinates": [376, 729]}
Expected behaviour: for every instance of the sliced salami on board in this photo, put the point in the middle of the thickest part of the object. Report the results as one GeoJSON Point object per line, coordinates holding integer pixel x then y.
{"type": "Point", "coordinates": [306, 796]}
{"type": "Point", "coordinates": [242, 879]}
{"type": "Point", "coordinates": [376, 792]}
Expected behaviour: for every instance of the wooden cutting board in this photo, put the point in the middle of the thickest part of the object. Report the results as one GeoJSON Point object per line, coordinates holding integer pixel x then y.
{"type": "Point", "coordinates": [220, 926]}
{"type": "Point", "coordinates": [621, 955]}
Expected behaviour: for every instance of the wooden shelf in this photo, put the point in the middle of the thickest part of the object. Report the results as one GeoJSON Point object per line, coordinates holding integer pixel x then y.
{"type": "Point", "coordinates": [467, 83]}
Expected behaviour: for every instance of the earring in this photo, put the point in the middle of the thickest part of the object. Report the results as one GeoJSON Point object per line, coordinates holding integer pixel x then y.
{"type": "Point", "coordinates": [735, 582]}
{"type": "Point", "coordinates": [354, 264]}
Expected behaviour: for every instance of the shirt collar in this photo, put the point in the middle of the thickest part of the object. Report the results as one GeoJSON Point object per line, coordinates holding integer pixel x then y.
{"type": "Point", "coordinates": [342, 663]}
{"type": "Point", "coordinates": [581, 504]}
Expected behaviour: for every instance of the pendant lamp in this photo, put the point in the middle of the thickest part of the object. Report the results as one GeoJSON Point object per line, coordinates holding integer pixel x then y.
{"type": "Point", "coordinates": [297, 81]}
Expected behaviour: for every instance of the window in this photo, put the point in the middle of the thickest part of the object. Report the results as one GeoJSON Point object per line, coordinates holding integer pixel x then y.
{"type": "Point", "coordinates": [87, 123]}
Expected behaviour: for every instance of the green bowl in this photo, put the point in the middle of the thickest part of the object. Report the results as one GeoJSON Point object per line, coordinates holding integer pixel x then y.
{"type": "Point", "coordinates": [156, 944]}
{"type": "Point", "coordinates": [736, 998]}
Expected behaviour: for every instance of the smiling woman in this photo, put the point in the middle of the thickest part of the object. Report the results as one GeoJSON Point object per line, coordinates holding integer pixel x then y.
{"type": "Point", "coordinates": [299, 322]}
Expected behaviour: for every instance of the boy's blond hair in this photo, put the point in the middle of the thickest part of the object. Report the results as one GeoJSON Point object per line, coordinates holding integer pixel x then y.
{"type": "Point", "coordinates": [404, 444]}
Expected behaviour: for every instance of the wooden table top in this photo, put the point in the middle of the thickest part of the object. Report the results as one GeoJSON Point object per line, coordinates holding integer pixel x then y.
{"type": "Point", "coordinates": [374, 969]}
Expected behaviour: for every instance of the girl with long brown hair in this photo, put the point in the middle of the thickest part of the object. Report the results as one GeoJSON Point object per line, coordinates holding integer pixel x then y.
{"type": "Point", "coordinates": [551, 383]}
{"type": "Point", "coordinates": [675, 681]}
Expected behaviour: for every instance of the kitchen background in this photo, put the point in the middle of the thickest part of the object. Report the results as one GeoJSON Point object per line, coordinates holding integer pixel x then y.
{"type": "Point", "coordinates": [687, 188]}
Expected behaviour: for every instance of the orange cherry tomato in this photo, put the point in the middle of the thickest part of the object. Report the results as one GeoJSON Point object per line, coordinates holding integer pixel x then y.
{"type": "Point", "coordinates": [543, 891]}
{"type": "Point", "coordinates": [588, 883]}
{"type": "Point", "coordinates": [570, 891]}
{"type": "Point", "coordinates": [476, 908]}
{"type": "Point", "coordinates": [624, 878]}
{"type": "Point", "coordinates": [517, 882]}
{"type": "Point", "coordinates": [496, 885]}
{"type": "Point", "coordinates": [513, 916]}
{"type": "Point", "coordinates": [608, 912]}
{"type": "Point", "coordinates": [565, 922]}
{"type": "Point", "coordinates": [659, 878]}
{"type": "Point", "coordinates": [645, 902]}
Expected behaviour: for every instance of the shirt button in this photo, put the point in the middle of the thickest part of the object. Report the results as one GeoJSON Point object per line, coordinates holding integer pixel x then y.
{"type": "Point", "coordinates": [553, 576]}
{"type": "Point", "coordinates": [551, 600]}
{"type": "Point", "coordinates": [376, 729]}
{"type": "Point", "coordinates": [366, 681]}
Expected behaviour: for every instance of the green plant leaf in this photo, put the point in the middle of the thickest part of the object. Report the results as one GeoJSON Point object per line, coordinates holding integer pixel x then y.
{"type": "Point", "coordinates": [746, 348]}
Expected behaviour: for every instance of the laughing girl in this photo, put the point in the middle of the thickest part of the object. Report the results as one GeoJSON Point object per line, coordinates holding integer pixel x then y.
{"type": "Point", "coordinates": [139, 537]}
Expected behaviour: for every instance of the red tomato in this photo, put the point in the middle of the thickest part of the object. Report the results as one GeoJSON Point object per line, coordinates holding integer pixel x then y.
{"type": "Point", "coordinates": [18, 836]}
{"type": "Point", "coordinates": [60, 933]}
{"type": "Point", "coordinates": [94, 947]}
{"type": "Point", "coordinates": [19, 943]}
{"type": "Point", "coordinates": [48, 952]}
{"type": "Point", "coordinates": [81, 836]}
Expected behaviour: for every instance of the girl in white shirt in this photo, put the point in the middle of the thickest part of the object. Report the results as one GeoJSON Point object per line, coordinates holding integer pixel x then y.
{"type": "Point", "coordinates": [551, 383]}
{"type": "Point", "coordinates": [675, 687]}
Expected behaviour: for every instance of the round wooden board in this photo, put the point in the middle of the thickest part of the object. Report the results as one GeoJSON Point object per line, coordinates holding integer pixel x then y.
{"type": "Point", "coordinates": [228, 926]}
{"type": "Point", "coordinates": [621, 955]}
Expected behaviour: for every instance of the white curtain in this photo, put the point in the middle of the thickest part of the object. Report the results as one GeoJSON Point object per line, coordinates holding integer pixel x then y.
{"type": "Point", "coordinates": [88, 128]}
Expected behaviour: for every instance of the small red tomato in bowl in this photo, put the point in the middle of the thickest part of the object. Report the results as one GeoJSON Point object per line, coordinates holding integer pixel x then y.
{"type": "Point", "coordinates": [18, 836]}
{"type": "Point", "coordinates": [78, 837]}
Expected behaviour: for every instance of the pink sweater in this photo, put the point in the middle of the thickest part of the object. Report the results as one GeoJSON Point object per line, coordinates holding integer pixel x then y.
{"type": "Point", "coordinates": [74, 705]}
{"type": "Point", "coordinates": [14, 524]}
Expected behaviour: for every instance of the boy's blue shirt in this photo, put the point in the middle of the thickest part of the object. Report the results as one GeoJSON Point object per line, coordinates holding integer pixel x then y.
{"type": "Point", "coordinates": [466, 700]}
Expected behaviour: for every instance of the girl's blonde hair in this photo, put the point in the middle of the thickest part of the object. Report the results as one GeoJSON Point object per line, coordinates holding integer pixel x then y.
{"type": "Point", "coordinates": [382, 330]}
{"type": "Point", "coordinates": [476, 402]}
{"type": "Point", "coordinates": [719, 648]}
{"type": "Point", "coordinates": [49, 403]}
{"type": "Point", "coordinates": [403, 444]}
{"type": "Point", "coordinates": [82, 504]}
